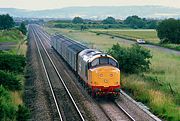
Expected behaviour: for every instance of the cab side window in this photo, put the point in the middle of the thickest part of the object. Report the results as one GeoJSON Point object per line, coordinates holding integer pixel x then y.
{"type": "Point", "coordinates": [112, 62]}
{"type": "Point", "coordinates": [95, 62]}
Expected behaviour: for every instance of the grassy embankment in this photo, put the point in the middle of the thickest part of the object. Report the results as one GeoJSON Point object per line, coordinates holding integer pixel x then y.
{"type": "Point", "coordinates": [159, 88]}
{"type": "Point", "coordinates": [149, 35]}
{"type": "Point", "coordinates": [16, 37]}
{"type": "Point", "coordinates": [19, 48]}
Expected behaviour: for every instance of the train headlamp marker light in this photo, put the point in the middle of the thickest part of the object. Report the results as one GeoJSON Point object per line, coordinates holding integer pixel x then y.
{"type": "Point", "coordinates": [101, 75]}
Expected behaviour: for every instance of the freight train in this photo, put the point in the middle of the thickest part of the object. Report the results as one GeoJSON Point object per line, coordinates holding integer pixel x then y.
{"type": "Point", "coordinates": [97, 71]}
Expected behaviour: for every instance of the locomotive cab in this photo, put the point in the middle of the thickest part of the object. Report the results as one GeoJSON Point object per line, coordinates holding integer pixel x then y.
{"type": "Point", "coordinates": [99, 72]}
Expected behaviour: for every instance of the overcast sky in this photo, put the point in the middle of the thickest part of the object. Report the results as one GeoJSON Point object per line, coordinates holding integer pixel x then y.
{"type": "Point", "coordinates": [50, 4]}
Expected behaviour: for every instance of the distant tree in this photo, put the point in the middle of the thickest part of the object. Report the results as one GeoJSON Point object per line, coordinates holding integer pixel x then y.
{"type": "Point", "coordinates": [77, 20]}
{"type": "Point", "coordinates": [151, 24]}
{"type": "Point", "coordinates": [169, 31]}
{"type": "Point", "coordinates": [135, 22]}
{"type": "Point", "coordinates": [109, 20]}
{"type": "Point", "coordinates": [83, 27]}
{"type": "Point", "coordinates": [22, 28]}
{"type": "Point", "coordinates": [6, 22]}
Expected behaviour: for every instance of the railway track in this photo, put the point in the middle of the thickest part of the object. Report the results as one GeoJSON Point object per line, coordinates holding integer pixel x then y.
{"type": "Point", "coordinates": [135, 114]}
{"type": "Point", "coordinates": [114, 111]}
{"type": "Point", "coordinates": [54, 89]}
{"type": "Point", "coordinates": [120, 110]}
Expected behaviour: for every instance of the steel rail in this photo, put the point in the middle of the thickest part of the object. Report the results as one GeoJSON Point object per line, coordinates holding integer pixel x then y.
{"type": "Point", "coordinates": [67, 90]}
{"type": "Point", "coordinates": [48, 79]}
{"type": "Point", "coordinates": [125, 112]}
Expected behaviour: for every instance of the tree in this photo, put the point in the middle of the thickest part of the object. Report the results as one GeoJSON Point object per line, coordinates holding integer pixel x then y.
{"type": "Point", "coordinates": [6, 22]}
{"type": "Point", "coordinates": [109, 20]}
{"type": "Point", "coordinates": [131, 60]}
{"type": "Point", "coordinates": [135, 22]}
{"type": "Point", "coordinates": [22, 28]}
{"type": "Point", "coordinates": [151, 24]}
{"type": "Point", "coordinates": [77, 20]}
{"type": "Point", "coordinates": [169, 31]}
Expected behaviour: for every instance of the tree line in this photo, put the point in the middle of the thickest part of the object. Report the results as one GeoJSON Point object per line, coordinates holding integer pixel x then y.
{"type": "Point", "coordinates": [168, 30]}
{"type": "Point", "coordinates": [131, 21]}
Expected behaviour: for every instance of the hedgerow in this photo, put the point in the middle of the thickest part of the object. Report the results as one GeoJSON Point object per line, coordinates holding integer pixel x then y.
{"type": "Point", "coordinates": [11, 62]}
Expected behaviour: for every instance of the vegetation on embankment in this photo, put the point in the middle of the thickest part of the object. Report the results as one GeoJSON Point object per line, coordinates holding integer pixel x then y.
{"type": "Point", "coordinates": [158, 88]}
{"type": "Point", "coordinates": [12, 35]}
{"type": "Point", "coordinates": [12, 81]}
{"type": "Point", "coordinates": [12, 67]}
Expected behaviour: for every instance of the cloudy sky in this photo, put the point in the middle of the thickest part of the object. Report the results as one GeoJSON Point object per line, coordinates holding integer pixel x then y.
{"type": "Point", "coordinates": [50, 4]}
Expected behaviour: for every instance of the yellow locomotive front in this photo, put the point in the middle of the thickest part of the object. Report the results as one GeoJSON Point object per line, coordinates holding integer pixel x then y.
{"type": "Point", "coordinates": [99, 73]}
{"type": "Point", "coordinates": [104, 76]}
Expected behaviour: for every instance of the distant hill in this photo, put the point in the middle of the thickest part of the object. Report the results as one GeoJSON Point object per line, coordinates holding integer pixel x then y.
{"type": "Point", "coordinates": [95, 12]}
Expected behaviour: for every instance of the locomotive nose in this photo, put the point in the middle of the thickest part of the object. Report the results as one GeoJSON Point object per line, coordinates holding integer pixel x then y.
{"type": "Point", "coordinates": [108, 76]}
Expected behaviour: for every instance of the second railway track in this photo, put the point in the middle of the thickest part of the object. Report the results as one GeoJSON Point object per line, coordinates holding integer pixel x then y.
{"type": "Point", "coordinates": [65, 104]}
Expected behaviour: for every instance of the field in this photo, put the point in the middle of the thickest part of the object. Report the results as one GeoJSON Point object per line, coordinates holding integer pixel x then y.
{"type": "Point", "coordinates": [10, 35]}
{"type": "Point", "coordinates": [13, 40]}
{"type": "Point", "coordinates": [148, 35]}
{"type": "Point", "coordinates": [159, 88]}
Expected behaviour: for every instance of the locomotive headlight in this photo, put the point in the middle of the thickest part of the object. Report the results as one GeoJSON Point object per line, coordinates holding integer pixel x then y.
{"type": "Point", "coordinates": [101, 75]}
{"type": "Point", "coordinates": [111, 75]}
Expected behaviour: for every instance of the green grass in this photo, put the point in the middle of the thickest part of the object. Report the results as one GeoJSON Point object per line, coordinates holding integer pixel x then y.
{"type": "Point", "coordinates": [151, 87]}
{"type": "Point", "coordinates": [10, 35]}
{"type": "Point", "coordinates": [148, 35]}
{"type": "Point", "coordinates": [172, 46]}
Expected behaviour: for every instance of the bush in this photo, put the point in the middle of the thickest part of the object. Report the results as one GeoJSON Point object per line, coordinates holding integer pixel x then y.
{"type": "Point", "coordinates": [9, 81]}
{"type": "Point", "coordinates": [7, 109]}
{"type": "Point", "coordinates": [22, 113]}
{"type": "Point", "coordinates": [10, 62]}
{"type": "Point", "coordinates": [131, 60]}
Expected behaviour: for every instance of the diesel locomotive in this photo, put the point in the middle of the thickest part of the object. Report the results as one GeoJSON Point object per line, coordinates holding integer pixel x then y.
{"type": "Point", "coordinates": [97, 71]}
